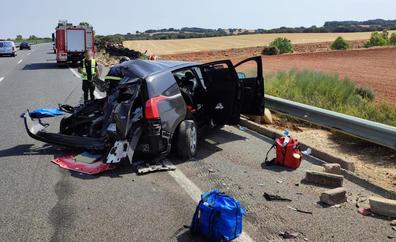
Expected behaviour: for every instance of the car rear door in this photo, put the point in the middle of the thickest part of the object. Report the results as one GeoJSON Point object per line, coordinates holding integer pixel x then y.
{"type": "Point", "coordinates": [222, 102]}
{"type": "Point", "coordinates": [250, 75]}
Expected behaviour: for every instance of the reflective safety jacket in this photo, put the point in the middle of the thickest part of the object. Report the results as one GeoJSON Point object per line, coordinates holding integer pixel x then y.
{"type": "Point", "coordinates": [114, 74]}
{"type": "Point", "coordinates": [84, 76]}
{"type": "Point", "coordinates": [112, 78]}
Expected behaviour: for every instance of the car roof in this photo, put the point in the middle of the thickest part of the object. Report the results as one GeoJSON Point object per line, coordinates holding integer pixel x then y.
{"type": "Point", "coordinates": [145, 68]}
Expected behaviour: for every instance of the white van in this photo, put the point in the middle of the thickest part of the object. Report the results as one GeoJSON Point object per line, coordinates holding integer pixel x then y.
{"type": "Point", "coordinates": [7, 48]}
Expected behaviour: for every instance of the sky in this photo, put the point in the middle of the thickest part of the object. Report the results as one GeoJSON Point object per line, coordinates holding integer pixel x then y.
{"type": "Point", "coordinates": [39, 17]}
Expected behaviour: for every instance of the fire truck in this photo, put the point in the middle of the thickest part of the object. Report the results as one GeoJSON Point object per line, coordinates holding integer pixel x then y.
{"type": "Point", "coordinates": [72, 41]}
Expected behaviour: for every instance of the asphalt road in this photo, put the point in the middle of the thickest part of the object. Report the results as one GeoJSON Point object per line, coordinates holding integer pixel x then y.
{"type": "Point", "coordinates": [40, 201]}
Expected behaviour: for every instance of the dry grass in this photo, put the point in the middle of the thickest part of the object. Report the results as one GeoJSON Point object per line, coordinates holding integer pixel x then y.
{"type": "Point", "coordinates": [164, 47]}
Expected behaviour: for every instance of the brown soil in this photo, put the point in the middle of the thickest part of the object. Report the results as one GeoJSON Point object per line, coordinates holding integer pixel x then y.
{"type": "Point", "coordinates": [372, 162]}
{"type": "Point", "coordinates": [374, 68]}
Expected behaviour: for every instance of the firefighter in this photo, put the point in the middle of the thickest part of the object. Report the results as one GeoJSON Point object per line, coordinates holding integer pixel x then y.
{"type": "Point", "coordinates": [114, 76]}
{"type": "Point", "coordinates": [89, 70]}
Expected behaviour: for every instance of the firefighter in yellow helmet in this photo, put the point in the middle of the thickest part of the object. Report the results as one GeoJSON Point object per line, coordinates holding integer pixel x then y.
{"type": "Point", "coordinates": [89, 70]}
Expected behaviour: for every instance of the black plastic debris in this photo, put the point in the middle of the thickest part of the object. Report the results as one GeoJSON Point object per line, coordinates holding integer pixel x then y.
{"type": "Point", "coordinates": [270, 197]}
{"type": "Point", "coordinates": [288, 235]}
{"type": "Point", "coordinates": [299, 210]}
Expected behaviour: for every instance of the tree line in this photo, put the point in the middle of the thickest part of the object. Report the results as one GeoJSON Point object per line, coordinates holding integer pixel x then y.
{"type": "Point", "coordinates": [194, 32]}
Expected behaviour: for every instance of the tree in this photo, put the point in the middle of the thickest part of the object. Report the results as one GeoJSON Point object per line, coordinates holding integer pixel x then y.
{"type": "Point", "coordinates": [19, 37]}
{"type": "Point", "coordinates": [385, 34]}
{"type": "Point", "coordinates": [392, 39]}
{"type": "Point", "coordinates": [284, 45]}
{"type": "Point", "coordinates": [340, 44]}
{"type": "Point", "coordinates": [84, 24]}
{"type": "Point", "coordinates": [33, 37]}
{"type": "Point", "coordinates": [378, 39]}
{"type": "Point", "coordinates": [270, 50]}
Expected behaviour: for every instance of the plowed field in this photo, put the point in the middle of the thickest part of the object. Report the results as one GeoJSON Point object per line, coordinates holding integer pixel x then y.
{"type": "Point", "coordinates": [374, 68]}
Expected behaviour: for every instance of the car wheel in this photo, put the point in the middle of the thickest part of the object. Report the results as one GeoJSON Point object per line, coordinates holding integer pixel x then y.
{"type": "Point", "coordinates": [187, 140]}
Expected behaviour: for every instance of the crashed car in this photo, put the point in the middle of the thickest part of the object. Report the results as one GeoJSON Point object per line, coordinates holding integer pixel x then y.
{"type": "Point", "coordinates": [158, 106]}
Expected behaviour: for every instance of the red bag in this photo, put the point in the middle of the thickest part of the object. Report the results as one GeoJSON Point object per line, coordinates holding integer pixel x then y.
{"type": "Point", "coordinates": [288, 156]}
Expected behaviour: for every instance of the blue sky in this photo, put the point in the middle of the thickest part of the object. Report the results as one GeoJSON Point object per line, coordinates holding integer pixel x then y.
{"type": "Point", "coordinates": [39, 17]}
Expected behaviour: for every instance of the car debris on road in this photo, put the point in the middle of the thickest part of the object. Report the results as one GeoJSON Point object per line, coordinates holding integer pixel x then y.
{"type": "Point", "coordinates": [271, 197]}
{"type": "Point", "coordinates": [299, 210]}
{"type": "Point", "coordinates": [163, 165]}
{"type": "Point", "coordinates": [157, 107]}
{"type": "Point", "coordinates": [289, 235]}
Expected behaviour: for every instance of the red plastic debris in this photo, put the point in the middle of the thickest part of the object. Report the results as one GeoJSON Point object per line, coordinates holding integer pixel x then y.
{"type": "Point", "coordinates": [69, 163]}
{"type": "Point", "coordinates": [364, 211]}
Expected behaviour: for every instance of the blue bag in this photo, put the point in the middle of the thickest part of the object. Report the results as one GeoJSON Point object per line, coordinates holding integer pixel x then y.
{"type": "Point", "coordinates": [46, 113]}
{"type": "Point", "coordinates": [218, 217]}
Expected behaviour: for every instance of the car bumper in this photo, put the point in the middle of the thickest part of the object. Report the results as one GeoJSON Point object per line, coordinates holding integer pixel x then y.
{"type": "Point", "coordinates": [36, 130]}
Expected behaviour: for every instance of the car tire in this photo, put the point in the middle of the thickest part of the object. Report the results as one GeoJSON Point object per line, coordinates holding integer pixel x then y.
{"type": "Point", "coordinates": [186, 140]}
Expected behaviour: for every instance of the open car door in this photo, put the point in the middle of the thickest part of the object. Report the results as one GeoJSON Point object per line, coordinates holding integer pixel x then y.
{"type": "Point", "coordinates": [222, 101]}
{"type": "Point", "coordinates": [250, 75]}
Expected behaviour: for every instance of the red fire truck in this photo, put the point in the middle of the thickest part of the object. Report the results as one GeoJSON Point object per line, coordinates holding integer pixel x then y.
{"type": "Point", "coordinates": [72, 41]}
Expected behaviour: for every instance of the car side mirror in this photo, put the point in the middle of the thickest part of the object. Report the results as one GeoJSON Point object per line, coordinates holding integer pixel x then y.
{"type": "Point", "coordinates": [241, 75]}
{"type": "Point", "coordinates": [53, 37]}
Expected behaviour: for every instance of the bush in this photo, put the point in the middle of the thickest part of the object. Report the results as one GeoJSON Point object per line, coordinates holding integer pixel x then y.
{"type": "Point", "coordinates": [101, 41]}
{"type": "Point", "coordinates": [365, 93]}
{"type": "Point", "coordinates": [270, 50]}
{"type": "Point", "coordinates": [283, 44]}
{"type": "Point", "coordinates": [331, 93]}
{"type": "Point", "coordinates": [378, 39]}
{"type": "Point", "coordinates": [392, 39]}
{"type": "Point", "coordinates": [340, 44]}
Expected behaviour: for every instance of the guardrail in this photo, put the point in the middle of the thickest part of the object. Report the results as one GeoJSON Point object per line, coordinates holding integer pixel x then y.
{"type": "Point", "coordinates": [364, 129]}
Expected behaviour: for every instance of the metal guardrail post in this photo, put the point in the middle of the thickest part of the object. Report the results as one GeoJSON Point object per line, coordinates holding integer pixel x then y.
{"type": "Point", "coordinates": [364, 129]}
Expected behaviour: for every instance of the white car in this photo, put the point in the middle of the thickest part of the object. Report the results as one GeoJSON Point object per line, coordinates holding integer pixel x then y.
{"type": "Point", "coordinates": [7, 48]}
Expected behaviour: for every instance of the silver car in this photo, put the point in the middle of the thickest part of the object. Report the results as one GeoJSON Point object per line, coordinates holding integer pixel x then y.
{"type": "Point", "coordinates": [7, 48]}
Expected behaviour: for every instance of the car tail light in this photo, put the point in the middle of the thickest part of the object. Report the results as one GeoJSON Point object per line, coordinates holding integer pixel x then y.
{"type": "Point", "coordinates": [191, 109]}
{"type": "Point", "coordinates": [151, 110]}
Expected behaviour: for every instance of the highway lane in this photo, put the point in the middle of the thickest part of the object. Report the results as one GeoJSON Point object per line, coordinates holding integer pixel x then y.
{"type": "Point", "coordinates": [40, 201]}
{"type": "Point", "coordinates": [8, 63]}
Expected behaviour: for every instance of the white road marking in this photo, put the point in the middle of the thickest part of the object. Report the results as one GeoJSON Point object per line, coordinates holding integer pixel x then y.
{"type": "Point", "coordinates": [75, 73]}
{"type": "Point", "coordinates": [1, 79]}
{"type": "Point", "coordinates": [19, 62]}
{"type": "Point", "coordinates": [195, 193]}
{"type": "Point", "coordinates": [98, 95]}
{"type": "Point", "coordinates": [192, 190]}
{"type": "Point", "coordinates": [28, 53]}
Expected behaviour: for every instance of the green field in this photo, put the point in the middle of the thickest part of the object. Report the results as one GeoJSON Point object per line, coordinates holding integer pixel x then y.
{"type": "Point", "coordinates": [329, 92]}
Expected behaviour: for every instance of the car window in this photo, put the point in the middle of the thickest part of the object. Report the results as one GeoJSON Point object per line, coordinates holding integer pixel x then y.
{"type": "Point", "coordinates": [247, 70]}
{"type": "Point", "coordinates": [1, 44]}
{"type": "Point", "coordinates": [186, 77]}
{"type": "Point", "coordinates": [197, 70]}
{"type": "Point", "coordinates": [172, 90]}
{"type": "Point", "coordinates": [7, 44]}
